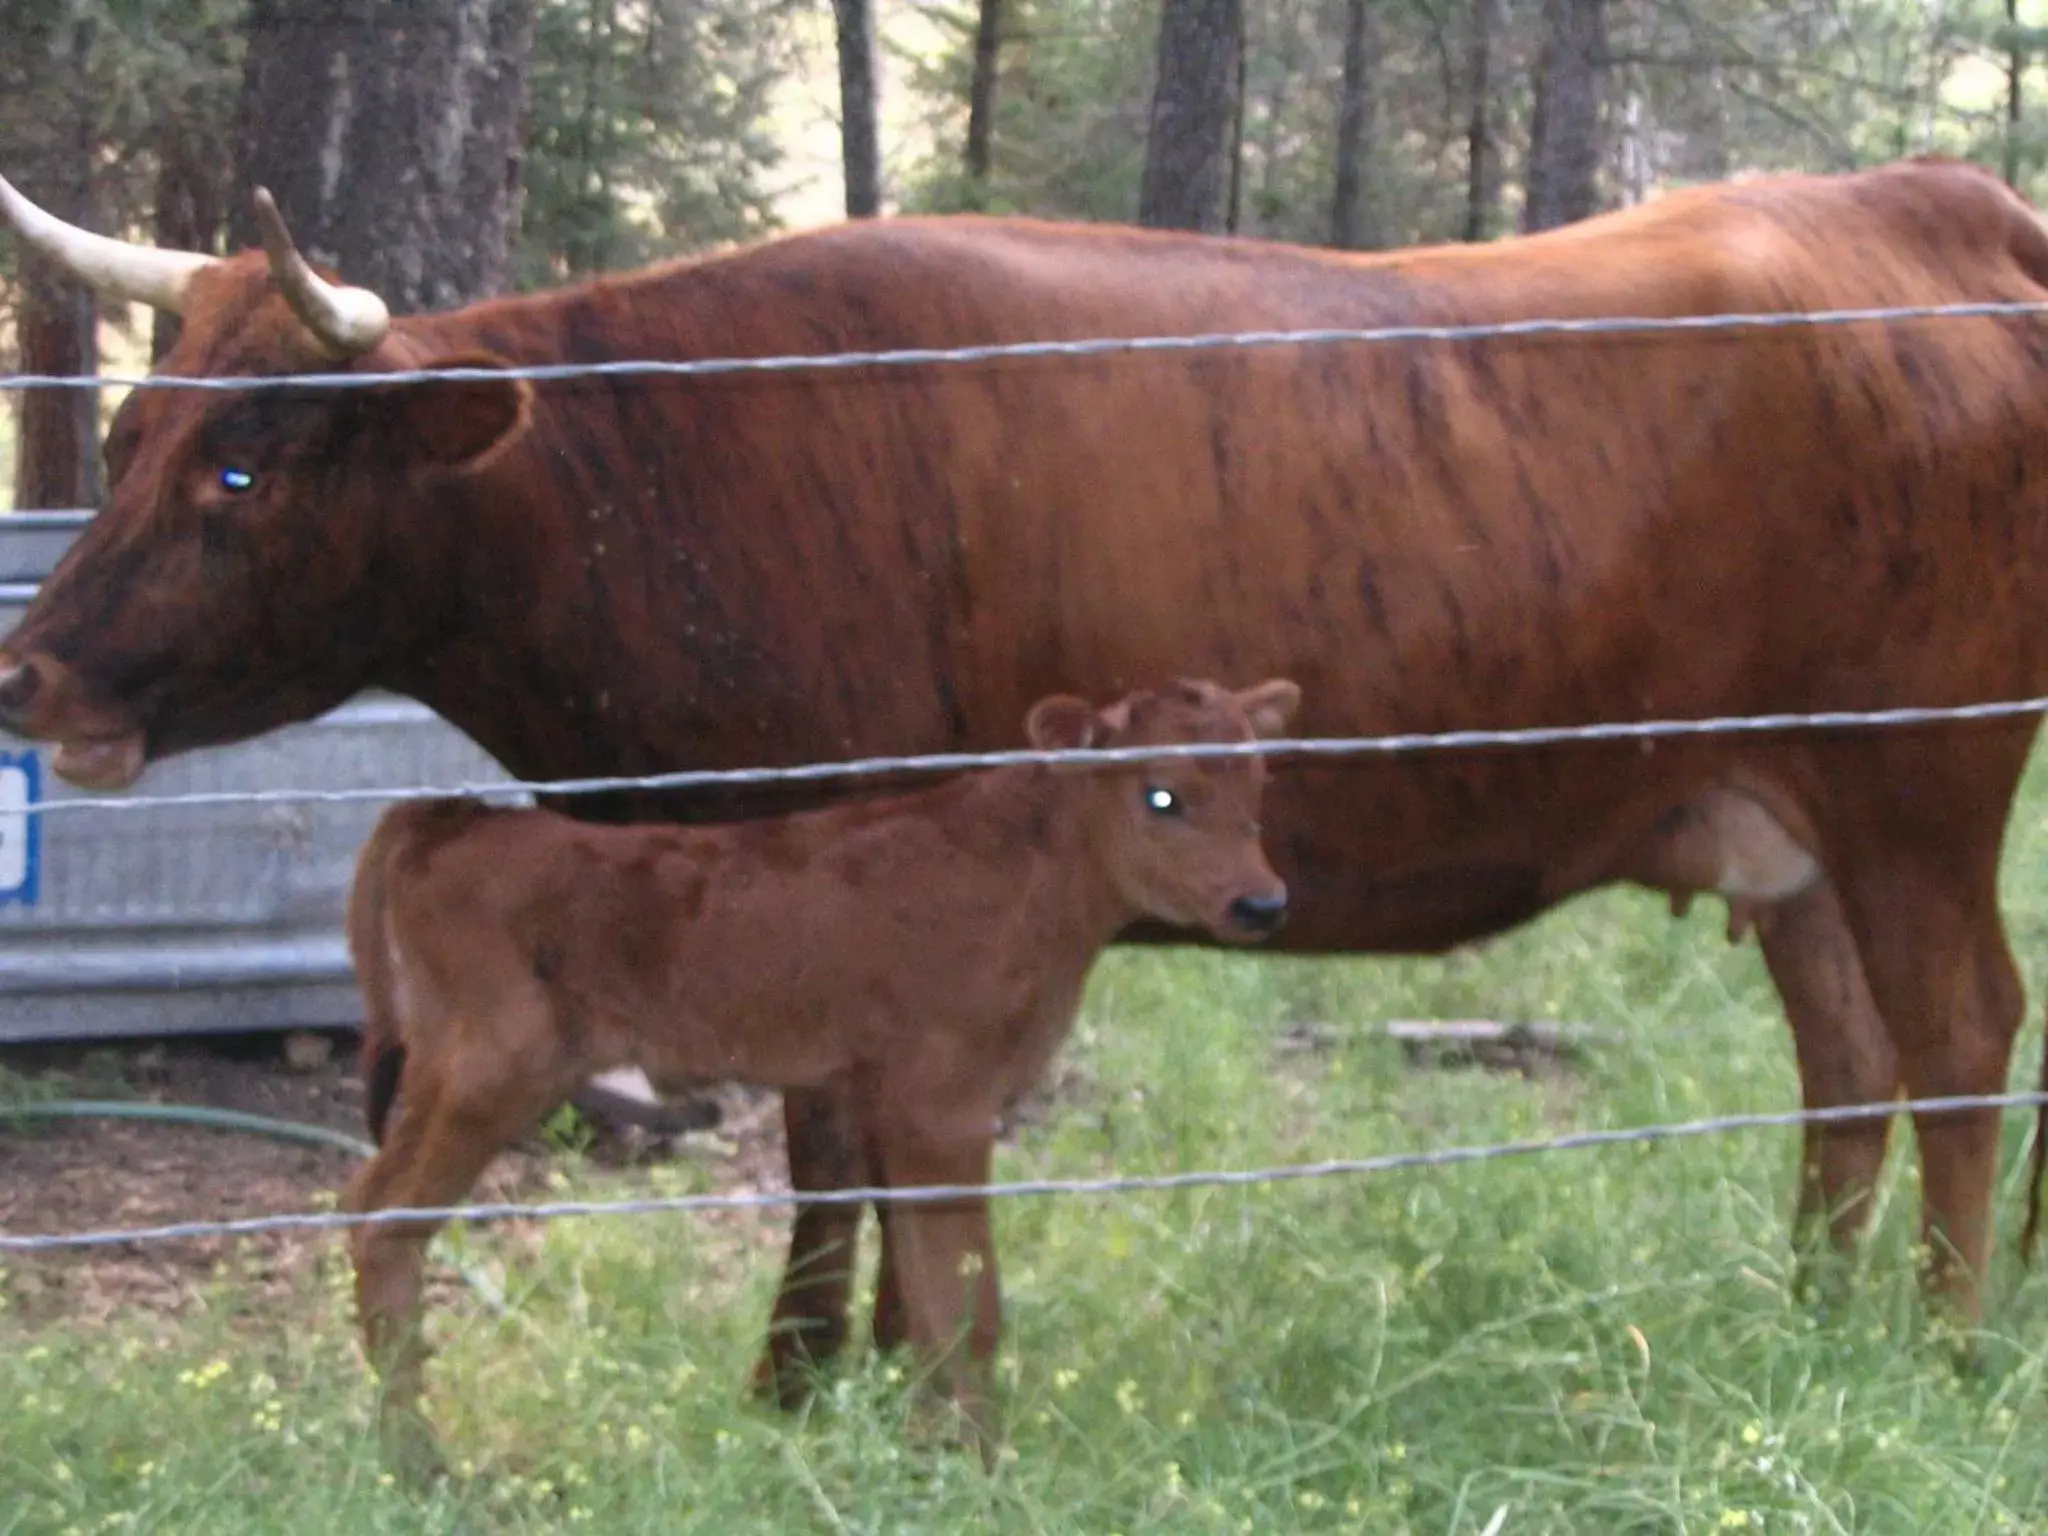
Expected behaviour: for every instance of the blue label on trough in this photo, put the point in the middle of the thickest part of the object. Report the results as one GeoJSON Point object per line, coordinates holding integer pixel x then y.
{"type": "Point", "coordinates": [20, 828]}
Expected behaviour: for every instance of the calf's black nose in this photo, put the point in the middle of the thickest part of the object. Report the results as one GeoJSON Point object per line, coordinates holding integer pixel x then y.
{"type": "Point", "coordinates": [1259, 914]}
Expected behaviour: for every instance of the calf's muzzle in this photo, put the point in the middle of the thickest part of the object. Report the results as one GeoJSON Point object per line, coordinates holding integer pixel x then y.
{"type": "Point", "coordinates": [1261, 914]}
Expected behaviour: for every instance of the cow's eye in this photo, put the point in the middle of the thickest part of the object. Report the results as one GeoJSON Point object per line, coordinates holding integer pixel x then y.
{"type": "Point", "coordinates": [235, 481]}
{"type": "Point", "coordinates": [1161, 801]}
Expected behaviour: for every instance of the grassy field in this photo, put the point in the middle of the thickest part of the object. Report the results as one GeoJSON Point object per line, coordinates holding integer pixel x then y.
{"type": "Point", "coordinates": [1589, 1342]}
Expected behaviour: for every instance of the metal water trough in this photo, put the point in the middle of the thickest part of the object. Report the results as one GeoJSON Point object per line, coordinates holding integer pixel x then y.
{"type": "Point", "coordinates": [195, 919]}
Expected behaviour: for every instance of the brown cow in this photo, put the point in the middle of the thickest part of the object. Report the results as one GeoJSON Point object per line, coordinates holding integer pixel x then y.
{"type": "Point", "coordinates": [627, 575]}
{"type": "Point", "coordinates": [923, 955]}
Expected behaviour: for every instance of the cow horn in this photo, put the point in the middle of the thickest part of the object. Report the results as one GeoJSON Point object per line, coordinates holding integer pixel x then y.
{"type": "Point", "coordinates": [113, 267]}
{"type": "Point", "coordinates": [347, 321]}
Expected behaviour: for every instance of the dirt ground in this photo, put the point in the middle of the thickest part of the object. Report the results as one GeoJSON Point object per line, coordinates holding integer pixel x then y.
{"type": "Point", "coordinates": [90, 1174]}
{"type": "Point", "coordinates": [93, 1174]}
{"type": "Point", "coordinates": [86, 1174]}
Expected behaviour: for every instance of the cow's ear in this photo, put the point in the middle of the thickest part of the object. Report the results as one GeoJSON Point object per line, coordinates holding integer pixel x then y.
{"type": "Point", "coordinates": [1061, 723]}
{"type": "Point", "coordinates": [452, 423]}
{"type": "Point", "coordinates": [1270, 706]}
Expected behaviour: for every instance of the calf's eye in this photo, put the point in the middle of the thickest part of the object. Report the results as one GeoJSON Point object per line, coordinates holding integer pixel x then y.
{"type": "Point", "coordinates": [1162, 802]}
{"type": "Point", "coordinates": [235, 481]}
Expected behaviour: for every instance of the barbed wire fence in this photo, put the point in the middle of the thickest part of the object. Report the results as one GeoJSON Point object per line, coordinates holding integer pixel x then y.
{"type": "Point", "coordinates": [1318, 748]}
{"type": "Point", "coordinates": [1079, 347]}
{"type": "Point", "coordinates": [1113, 1184]}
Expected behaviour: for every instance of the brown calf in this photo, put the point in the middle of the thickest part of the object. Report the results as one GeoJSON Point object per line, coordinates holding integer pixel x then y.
{"type": "Point", "coordinates": [923, 953]}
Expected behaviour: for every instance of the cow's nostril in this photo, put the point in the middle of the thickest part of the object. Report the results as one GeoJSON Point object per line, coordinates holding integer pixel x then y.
{"type": "Point", "coordinates": [1259, 914]}
{"type": "Point", "coordinates": [19, 685]}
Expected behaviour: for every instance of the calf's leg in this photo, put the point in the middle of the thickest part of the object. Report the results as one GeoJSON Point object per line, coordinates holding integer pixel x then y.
{"type": "Point", "coordinates": [945, 1270]}
{"type": "Point", "coordinates": [450, 1125]}
{"type": "Point", "coordinates": [809, 1324]}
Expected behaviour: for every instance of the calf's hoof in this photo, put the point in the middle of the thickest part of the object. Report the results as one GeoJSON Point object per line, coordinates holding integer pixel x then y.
{"type": "Point", "coordinates": [947, 1424]}
{"type": "Point", "coordinates": [409, 1449]}
{"type": "Point", "coordinates": [786, 1381]}
{"type": "Point", "coordinates": [1823, 1280]}
{"type": "Point", "coordinates": [798, 1351]}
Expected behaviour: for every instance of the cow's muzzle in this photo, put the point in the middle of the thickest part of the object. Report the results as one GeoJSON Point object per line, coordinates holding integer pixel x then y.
{"type": "Point", "coordinates": [20, 682]}
{"type": "Point", "coordinates": [94, 750]}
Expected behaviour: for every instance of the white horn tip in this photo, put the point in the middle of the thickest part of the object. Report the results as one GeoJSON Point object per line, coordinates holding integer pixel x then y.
{"type": "Point", "coordinates": [349, 321]}
{"type": "Point", "coordinates": [112, 267]}
{"type": "Point", "coordinates": [18, 212]}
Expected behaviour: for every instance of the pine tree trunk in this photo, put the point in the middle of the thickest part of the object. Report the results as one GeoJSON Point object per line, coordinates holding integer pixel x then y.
{"type": "Point", "coordinates": [49, 132]}
{"type": "Point", "coordinates": [191, 209]}
{"type": "Point", "coordinates": [1482, 189]}
{"type": "Point", "coordinates": [981, 94]}
{"type": "Point", "coordinates": [2015, 70]}
{"type": "Point", "coordinates": [1233, 203]}
{"type": "Point", "coordinates": [1186, 151]}
{"type": "Point", "coordinates": [56, 452]}
{"type": "Point", "coordinates": [1350, 218]}
{"type": "Point", "coordinates": [389, 132]}
{"type": "Point", "coordinates": [1564, 136]}
{"type": "Point", "coordinates": [860, 136]}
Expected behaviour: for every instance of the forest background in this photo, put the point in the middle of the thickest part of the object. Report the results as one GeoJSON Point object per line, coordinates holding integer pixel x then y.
{"type": "Point", "coordinates": [441, 150]}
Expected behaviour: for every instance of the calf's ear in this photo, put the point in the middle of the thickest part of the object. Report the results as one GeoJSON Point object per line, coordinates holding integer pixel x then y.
{"type": "Point", "coordinates": [453, 423]}
{"type": "Point", "coordinates": [1061, 723]}
{"type": "Point", "coordinates": [1270, 706]}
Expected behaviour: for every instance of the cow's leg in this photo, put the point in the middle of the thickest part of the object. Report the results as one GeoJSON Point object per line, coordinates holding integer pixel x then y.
{"type": "Point", "coordinates": [945, 1266]}
{"type": "Point", "coordinates": [1925, 913]}
{"type": "Point", "coordinates": [1845, 1056]}
{"type": "Point", "coordinates": [451, 1124]}
{"type": "Point", "coordinates": [809, 1324]}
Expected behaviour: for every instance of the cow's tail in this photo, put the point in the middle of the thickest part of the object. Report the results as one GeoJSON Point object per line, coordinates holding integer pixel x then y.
{"type": "Point", "coordinates": [2032, 1230]}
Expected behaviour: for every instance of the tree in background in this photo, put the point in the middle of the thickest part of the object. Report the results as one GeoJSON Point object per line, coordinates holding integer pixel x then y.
{"type": "Point", "coordinates": [1350, 215]}
{"type": "Point", "coordinates": [403, 138]}
{"type": "Point", "coordinates": [46, 106]}
{"type": "Point", "coordinates": [1684, 90]}
{"type": "Point", "coordinates": [188, 70]}
{"type": "Point", "coordinates": [1482, 154]}
{"type": "Point", "coordinates": [1564, 133]}
{"type": "Point", "coordinates": [389, 132]}
{"type": "Point", "coordinates": [981, 96]}
{"type": "Point", "coordinates": [860, 109]}
{"type": "Point", "coordinates": [1070, 102]}
{"type": "Point", "coordinates": [1187, 158]}
{"type": "Point", "coordinates": [89, 94]}
{"type": "Point", "coordinates": [648, 130]}
{"type": "Point", "coordinates": [650, 125]}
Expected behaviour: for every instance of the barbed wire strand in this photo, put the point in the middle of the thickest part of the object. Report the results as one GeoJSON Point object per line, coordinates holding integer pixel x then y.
{"type": "Point", "coordinates": [1082, 347]}
{"type": "Point", "coordinates": [1117, 1184]}
{"type": "Point", "coordinates": [956, 762]}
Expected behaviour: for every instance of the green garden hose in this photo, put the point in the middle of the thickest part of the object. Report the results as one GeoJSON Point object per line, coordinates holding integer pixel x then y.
{"type": "Point", "coordinates": [228, 1120]}
{"type": "Point", "coordinates": [189, 1114]}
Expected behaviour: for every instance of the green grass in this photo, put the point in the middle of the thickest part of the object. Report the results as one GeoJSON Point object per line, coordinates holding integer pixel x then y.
{"type": "Point", "coordinates": [1598, 1341]}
